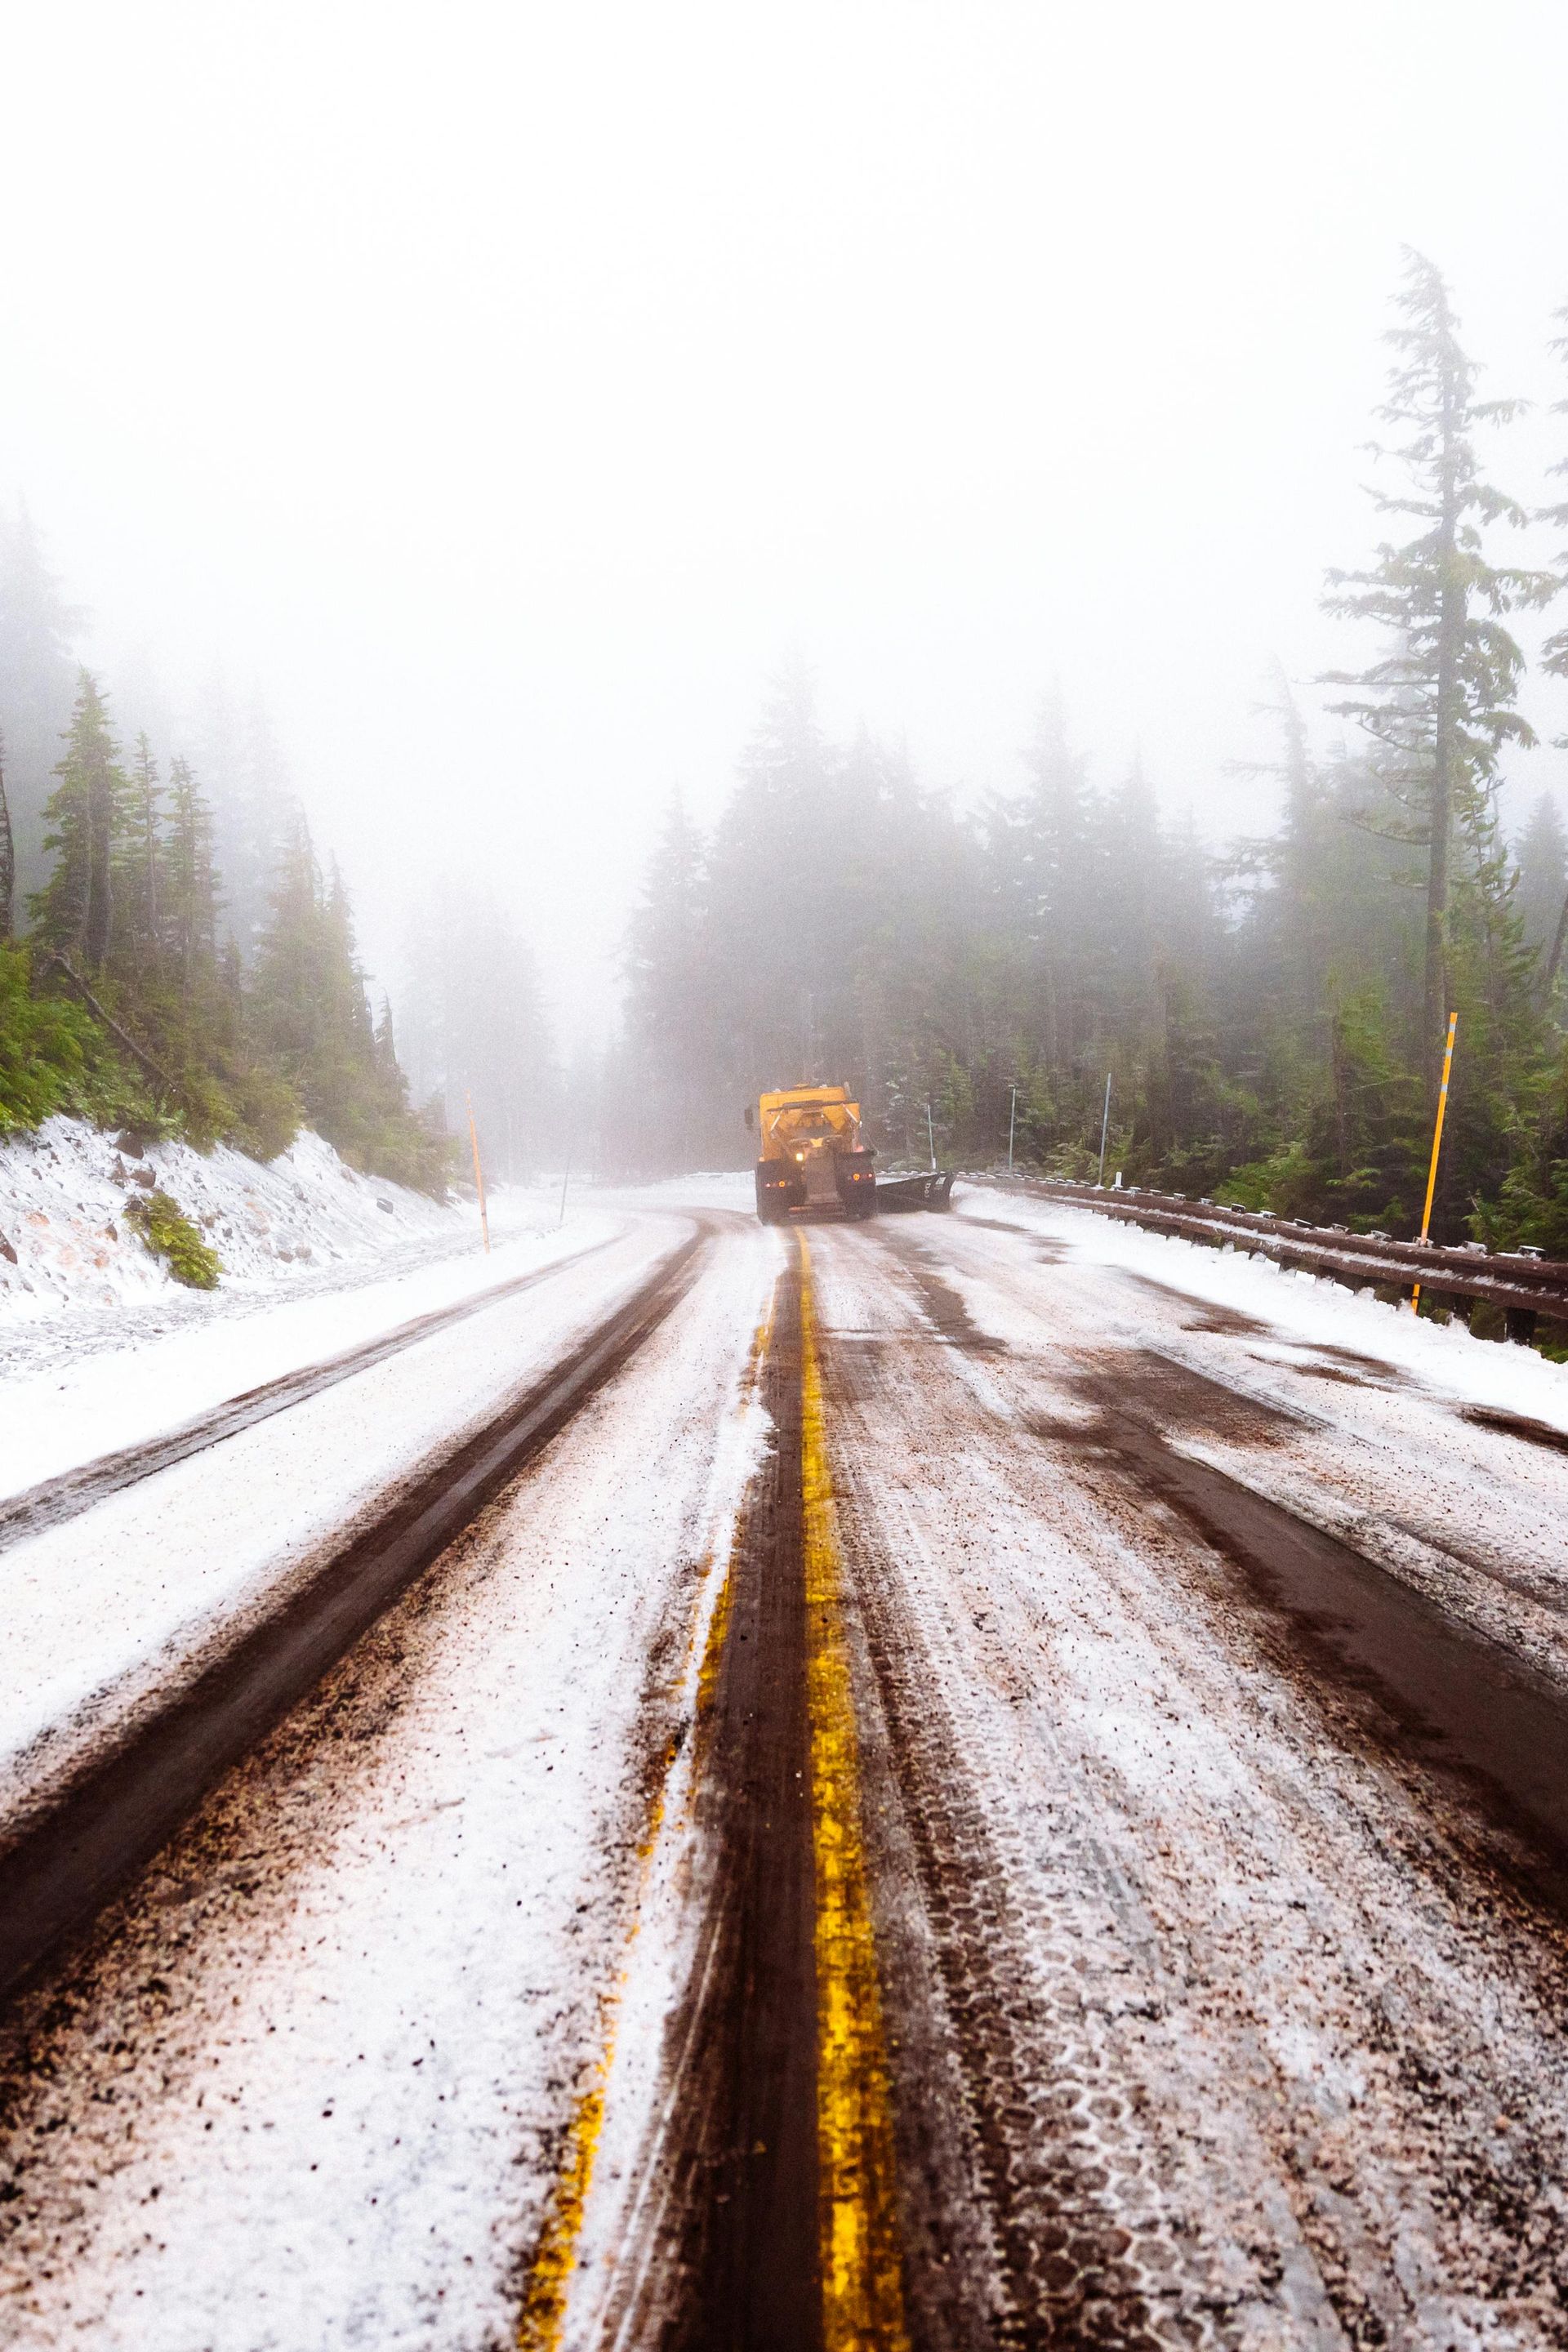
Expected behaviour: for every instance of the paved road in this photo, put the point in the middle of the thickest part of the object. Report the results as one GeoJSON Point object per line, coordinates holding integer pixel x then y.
{"type": "Point", "coordinates": [967, 1798]}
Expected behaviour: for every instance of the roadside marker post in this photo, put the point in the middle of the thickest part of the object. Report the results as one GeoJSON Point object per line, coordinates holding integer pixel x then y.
{"type": "Point", "coordinates": [478, 1173]}
{"type": "Point", "coordinates": [1012, 1123]}
{"type": "Point", "coordinates": [1436, 1147]}
{"type": "Point", "coordinates": [1104, 1130]}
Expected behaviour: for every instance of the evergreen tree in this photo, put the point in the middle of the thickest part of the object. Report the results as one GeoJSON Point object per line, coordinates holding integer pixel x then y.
{"type": "Point", "coordinates": [186, 883]}
{"type": "Point", "coordinates": [1439, 703]}
{"type": "Point", "coordinates": [7, 857]}
{"type": "Point", "coordinates": [289, 994]}
{"type": "Point", "coordinates": [254, 813]}
{"type": "Point", "coordinates": [258, 820]}
{"type": "Point", "coordinates": [309, 1014]}
{"type": "Point", "coordinates": [138, 932]}
{"type": "Point", "coordinates": [1542, 875]}
{"type": "Point", "coordinates": [1131, 864]}
{"type": "Point", "coordinates": [37, 680]}
{"type": "Point", "coordinates": [74, 909]}
{"type": "Point", "coordinates": [779, 863]}
{"type": "Point", "coordinates": [475, 1026]}
{"type": "Point", "coordinates": [1555, 653]}
{"type": "Point", "coordinates": [1049, 849]}
{"type": "Point", "coordinates": [672, 1000]}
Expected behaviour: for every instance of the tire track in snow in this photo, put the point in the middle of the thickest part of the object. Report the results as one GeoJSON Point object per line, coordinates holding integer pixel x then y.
{"type": "Point", "coordinates": [1449, 1699]}
{"type": "Point", "coordinates": [127, 1800]}
{"type": "Point", "coordinates": [56, 1501]}
{"type": "Point", "coordinates": [1005, 2120]}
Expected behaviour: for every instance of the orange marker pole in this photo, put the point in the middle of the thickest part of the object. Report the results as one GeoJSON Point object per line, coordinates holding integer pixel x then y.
{"type": "Point", "coordinates": [478, 1173]}
{"type": "Point", "coordinates": [1436, 1147]}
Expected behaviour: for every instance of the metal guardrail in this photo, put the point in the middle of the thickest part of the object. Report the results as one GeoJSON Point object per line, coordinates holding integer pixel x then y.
{"type": "Point", "coordinates": [1521, 1283]}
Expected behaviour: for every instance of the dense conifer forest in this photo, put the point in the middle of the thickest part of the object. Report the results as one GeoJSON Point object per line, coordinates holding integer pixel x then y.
{"type": "Point", "coordinates": [1271, 1015]}
{"type": "Point", "coordinates": [174, 954]}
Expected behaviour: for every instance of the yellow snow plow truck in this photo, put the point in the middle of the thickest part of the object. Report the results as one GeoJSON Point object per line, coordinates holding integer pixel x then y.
{"type": "Point", "coordinates": [812, 1155]}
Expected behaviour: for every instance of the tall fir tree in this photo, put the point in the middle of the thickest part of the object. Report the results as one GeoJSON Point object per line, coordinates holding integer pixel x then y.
{"type": "Point", "coordinates": [474, 1027]}
{"type": "Point", "coordinates": [74, 910]}
{"type": "Point", "coordinates": [38, 681]}
{"type": "Point", "coordinates": [137, 925]}
{"type": "Point", "coordinates": [187, 883]}
{"type": "Point", "coordinates": [1554, 653]}
{"type": "Point", "coordinates": [1051, 848]}
{"type": "Point", "coordinates": [1542, 876]}
{"type": "Point", "coordinates": [1440, 702]}
{"type": "Point", "coordinates": [263, 808]}
{"type": "Point", "coordinates": [289, 995]}
{"type": "Point", "coordinates": [7, 857]}
{"type": "Point", "coordinates": [778, 863]}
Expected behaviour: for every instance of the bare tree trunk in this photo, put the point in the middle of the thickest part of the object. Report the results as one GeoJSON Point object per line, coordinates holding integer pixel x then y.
{"type": "Point", "coordinates": [57, 962]}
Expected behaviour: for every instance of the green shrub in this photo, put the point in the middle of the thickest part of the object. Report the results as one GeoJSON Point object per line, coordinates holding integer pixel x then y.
{"type": "Point", "coordinates": [169, 1233]}
{"type": "Point", "coordinates": [54, 1057]}
{"type": "Point", "coordinates": [266, 1116]}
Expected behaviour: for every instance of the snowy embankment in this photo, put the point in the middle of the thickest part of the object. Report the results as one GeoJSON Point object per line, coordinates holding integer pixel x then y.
{"type": "Point", "coordinates": [1443, 1356]}
{"type": "Point", "coordinates": [122, 1604]}
{"type": "Point", "coordinates": [101, 1348]}
{"type": "Point", "coordinates": [100, 1352]}
{"type": "Point", "coordinates": [66, 1243]}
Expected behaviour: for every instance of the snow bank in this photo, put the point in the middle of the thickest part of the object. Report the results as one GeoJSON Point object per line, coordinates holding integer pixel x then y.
{"type": "Point", "coordinates": [66, 1242]}
{"type": "Point", "coordinates": [123, 1602]}
{"type": "Point", "coordinates": [1442, 1356]}
{"type": "Point", "coordinates": [79, 1405]}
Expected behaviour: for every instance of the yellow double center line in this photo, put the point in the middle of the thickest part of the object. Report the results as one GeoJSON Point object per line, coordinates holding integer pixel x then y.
{"type": "Point", "coordinates": [862, 2289]}
{"type": "Point", "coordinates": [862, 2292]}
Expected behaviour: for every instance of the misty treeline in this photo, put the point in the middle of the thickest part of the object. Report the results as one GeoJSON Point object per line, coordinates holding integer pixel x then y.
{"type": "Point", "coordinates": [174, 954]}
{"type": "Point", "coordinates": [1271, 1016]}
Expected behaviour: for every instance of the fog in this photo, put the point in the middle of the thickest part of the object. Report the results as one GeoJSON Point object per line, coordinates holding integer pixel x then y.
{"type": "Point", "coordinates": [509, 391]}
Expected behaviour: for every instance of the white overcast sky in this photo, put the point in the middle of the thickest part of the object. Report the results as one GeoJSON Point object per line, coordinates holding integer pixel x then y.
{"type": "Point", "coordinates": [506, 388]}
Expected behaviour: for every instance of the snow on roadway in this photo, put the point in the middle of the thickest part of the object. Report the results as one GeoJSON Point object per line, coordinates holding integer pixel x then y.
{"type": "Point", "coordinates": [1444, 1356]}
{"type": "Point", "coordinates": [314, 2083]}
{"type": "Point", "coordinates": [1266, 1990]}
{"type": "Point", "coordinates": [110, 1607]}
{"type": "Point", "coordinates": [110, 1397]}
{"type": "Point", "coordinates": [1384, 1443]}
{"type": "Point", "coordinates": [317, 2087]}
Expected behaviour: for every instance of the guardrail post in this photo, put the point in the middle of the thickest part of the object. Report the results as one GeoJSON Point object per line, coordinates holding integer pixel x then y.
{"type": "Point", "coordinates": [1519, 1325]}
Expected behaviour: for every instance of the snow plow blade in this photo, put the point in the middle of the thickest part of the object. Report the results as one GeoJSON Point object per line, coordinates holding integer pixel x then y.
{"type": "Point", "coordinates": [924, 1191]}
